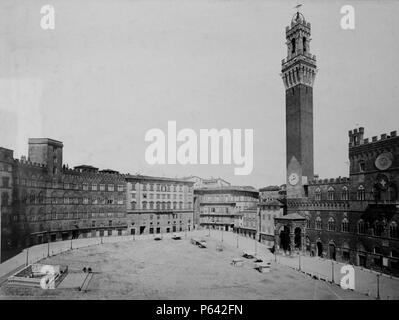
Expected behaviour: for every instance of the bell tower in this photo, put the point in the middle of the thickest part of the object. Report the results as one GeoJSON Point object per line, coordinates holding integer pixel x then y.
{"type": "Point", "coordinates": [298, 73]}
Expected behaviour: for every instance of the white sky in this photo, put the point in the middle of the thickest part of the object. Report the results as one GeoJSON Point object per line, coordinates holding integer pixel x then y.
{"type": "Point", "coordinates": [111, 70]}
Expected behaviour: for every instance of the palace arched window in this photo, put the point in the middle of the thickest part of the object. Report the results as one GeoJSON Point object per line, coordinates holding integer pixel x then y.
{"type": "Point", "coordinates": [392, 193]}
{"type": "Point", "coordinates": [293, 45]}
{"type": "Point", "coordinates": [318, 223]}
{"type": "Point", "coordinates": [345, 193]}
{"type": "Point", "coordinates": [144, 203]}
{"type": "Point", "coordinates": [393, 230]}
{"type": "Point", "coordinates": [308, 222]}
{"type": "Point", "coordinates": [330, 193]}
{"type": "Point", "coordinates": [331, 224]}
{"type": "Point", "coordinates": [345, 225]}
{"type": "Point", "coordinates": [318, 194]}
{"type": "Point", "coordinates": [361, 193]}
{"type": "Point", "coordinates": [304, 44]}
{"type": "Point", "coordinates": [378, 228]}
{"type": "Point", "coordinates": [361, 228]}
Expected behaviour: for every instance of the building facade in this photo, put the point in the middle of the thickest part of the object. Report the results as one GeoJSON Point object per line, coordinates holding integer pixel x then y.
{"type": "Point", "coordinates": [157, 205]}
{"type": "Point", "coordinates": [220, 207]}
{"type": "Point", "coordinates": [268, 212]}
{"type": "Point", "coordinates": [353, 219]}
{"type": "Point", "coordinates": [51, 202]}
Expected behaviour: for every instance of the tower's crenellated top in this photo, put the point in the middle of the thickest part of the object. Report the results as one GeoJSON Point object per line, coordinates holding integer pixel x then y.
{"type": "Point", "coordinates": [299, 67]}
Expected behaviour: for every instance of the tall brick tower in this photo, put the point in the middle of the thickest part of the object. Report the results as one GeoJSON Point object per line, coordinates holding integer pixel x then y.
{"type": "Point", "coordinates": [298, 73]}
{"type": "Point", "coordinates": [48, 152]}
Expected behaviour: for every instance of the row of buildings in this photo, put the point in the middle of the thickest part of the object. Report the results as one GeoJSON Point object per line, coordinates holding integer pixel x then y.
{"type": "Point", "coordinates": [43, 200]}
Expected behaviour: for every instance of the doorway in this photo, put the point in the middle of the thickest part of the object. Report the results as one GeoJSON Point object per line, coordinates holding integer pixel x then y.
{"type": "Point", "coordinates": [319, 249]}
{"type": "Point", "coordinates": [332, 250]}
{"type": "Point", "coordinates": [297, 238]}
{"type": "Point", "coordinates": [285, 238]}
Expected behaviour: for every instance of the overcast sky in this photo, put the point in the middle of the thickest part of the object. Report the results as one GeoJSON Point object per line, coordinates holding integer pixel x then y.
{"type": "Point", "coordinates": [111, 70]}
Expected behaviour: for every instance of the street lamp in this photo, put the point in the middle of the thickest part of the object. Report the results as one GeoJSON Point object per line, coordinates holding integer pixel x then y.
{"type": "Point", "coordinates": [48, 243]}
{"type": "Point", "coordinates": [332, 271]}
{"type": "Point", "coordinates": [299, 267]}
{"type": "Point", "coordinates": [378, 286]}
{"type": "Point", "coordinates": [237, 239]}
{"type": "Point", "coordinates": [222, 232]}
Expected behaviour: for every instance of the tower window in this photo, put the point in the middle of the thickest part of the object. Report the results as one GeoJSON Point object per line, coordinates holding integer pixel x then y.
{"type": "Point", "coordinates": [293, 46]}
{"type": "Point", "coordinates": [304, 44]}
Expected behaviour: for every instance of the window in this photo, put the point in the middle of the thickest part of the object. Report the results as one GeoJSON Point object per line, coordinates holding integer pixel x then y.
{"type": "Point", "coordinates": [4, 199]}
{"type": "Point", "coordinates": [85, 200]}
{"type": "Point", "coordinates": [144, 205]}
{"type": "Point", "coordinates": [85, 186]}
{"type": "Point", "coordinates": [293, 48]}
{"type": "Point", "coordinates": [345, 225]}
{"type": "Point", "coordinates": [361, 228]}
{"type": "Point", "coordinates": [111, 187]}
{"type": "Point", "coordinates": [362, 166]}
{"type": "Point", "coordinates": [304, 44]}
{"type": "Point", "coordinates": [110, 223]}
{"type": "Point", "coordinates": [94, 187]}
{"type": "Point", "coordinates": [378, 228]}
{"type": "Point", "coordinates": [393, 230]}
{"type": "Point", "coordinates": [308, 223]}
{"type": "Point", "coordinates": [318, 223]}
{"type": "Point", "coordinates": [345, 193]}
{"type": "Point", "coordinates": [330, 193]}
{"type": "Point", "coordinates": [110, 201]}
{"type": "Point", "coordinates": [120, 187]}
{"type": "Point", "coordinates": [361, 193]}
{"type": "Point", "coordinates": [318, 194]}
{"type": "Point", "coordinates": [93, 223]}
{"type": "Point", "coordinates": [102, 187]}
{"type": "Point", "coordinates": [6, 182]}
{"type": "Point", "coordinates": [331, 224]}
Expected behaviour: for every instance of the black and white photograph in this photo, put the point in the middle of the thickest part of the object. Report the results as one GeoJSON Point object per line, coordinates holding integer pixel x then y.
{"type": "Point", "coordinates": [201, 150]}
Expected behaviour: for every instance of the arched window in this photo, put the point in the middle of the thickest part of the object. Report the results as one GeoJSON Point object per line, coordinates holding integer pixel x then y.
{"type": "Point", "coordinates": [345, 193]}
{"type": "Point", "coordinates": [133, 203]}
{"type": "Point", "coordinates": [304, 44]}
{"type": "Point", "coordinates": [361, 193]}
{"type": "Point", "coordinates": [393, 230]}
{"type": "Point", "coordinates": [318, 194]}
{"type": "Point", "coordinates": [293, 47]}
{"type": "Point", "coordinates": [308, 222]}
{"type": "Point", "coordinates": [4, 199]}
{"type": "Point", "coordinates": [331, 224]}
{"type": "Point", "coordinates": [318, 223]}
{"type": "Point", "coordinates": [345, 225]}
{"type": "Point", "coordinates": [151, 205]}
{"type": "Point", "coordinates": [361, 228]}
{"type": "Point", "coordinates": [378, 228]}
{"type": "Point", "coordinates": [330, 193]}
{"type": "Point", "coordinates": [144, 203]}
{"type": "Point", "coordinates": [392, 193]}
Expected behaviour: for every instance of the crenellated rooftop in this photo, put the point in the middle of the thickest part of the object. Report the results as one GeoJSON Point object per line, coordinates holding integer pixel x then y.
{"type": "Point", "coordinates": [356, 138]}
{"type": "Point", "coordinates": [329, 181]}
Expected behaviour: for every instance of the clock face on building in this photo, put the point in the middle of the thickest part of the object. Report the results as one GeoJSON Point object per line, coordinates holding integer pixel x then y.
{"type": "Point", "coordinates": [293, 179]}
{"type": "Point", "coordinates": [384, 161]}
